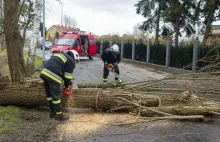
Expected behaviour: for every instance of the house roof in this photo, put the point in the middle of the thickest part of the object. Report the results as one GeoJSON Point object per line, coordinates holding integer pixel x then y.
{"type": "Point", "coordinates": [64, 29]}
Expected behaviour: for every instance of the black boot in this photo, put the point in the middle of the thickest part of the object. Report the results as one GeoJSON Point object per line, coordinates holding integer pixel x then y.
{"type": "Point", "coordinates": [61, 117]}
{"type": "Point", "coordinates": [52, 112]}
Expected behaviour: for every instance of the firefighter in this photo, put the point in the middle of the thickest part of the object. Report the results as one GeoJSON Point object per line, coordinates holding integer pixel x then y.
{"type": "Point", "coordinates": [111, 56]}
{"type": "Point", "coordinates": [57, 69]}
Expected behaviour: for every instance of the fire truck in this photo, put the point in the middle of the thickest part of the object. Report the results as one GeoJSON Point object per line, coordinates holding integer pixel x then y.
{"type": "Point", "coordinates": [84, 44]}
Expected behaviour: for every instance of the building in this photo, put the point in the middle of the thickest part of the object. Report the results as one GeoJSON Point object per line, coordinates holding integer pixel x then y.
{"type": "Point", "coordinates": [215, 32]}
{"type": "Point", "coordinates": [57, 28]}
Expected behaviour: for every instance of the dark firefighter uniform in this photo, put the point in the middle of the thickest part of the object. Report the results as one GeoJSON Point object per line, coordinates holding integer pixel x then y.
{"type": "Point", "coordinates": [57, 69]}
{"type": "Point", "coordinates": [108, 56]}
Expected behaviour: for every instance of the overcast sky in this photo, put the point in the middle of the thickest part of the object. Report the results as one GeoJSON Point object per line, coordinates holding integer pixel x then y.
{"type": "Point", "coordinates": [97, 16]}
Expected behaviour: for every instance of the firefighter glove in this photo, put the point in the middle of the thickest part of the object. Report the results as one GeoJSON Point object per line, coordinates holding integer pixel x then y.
{"type": "Point", "coordinates": [106, 64]}
{"type": "Point", "coordinates": [115, 64]}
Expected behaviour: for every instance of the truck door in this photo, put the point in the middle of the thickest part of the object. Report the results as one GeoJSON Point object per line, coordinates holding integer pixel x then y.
{"type": "Point", "coordinates": [85, 43]}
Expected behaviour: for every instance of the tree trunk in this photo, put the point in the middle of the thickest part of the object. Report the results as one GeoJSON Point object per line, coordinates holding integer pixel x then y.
{"type": "Point", "coordinates": [101, 85]}
{"type": "Point", "coordinates": [33, 42]}
{"type": "Point", "coordinates": [14, 40]}
{"type": "Point", "coordinates": [209, 22]}
{"type": "Point", "coordinates": [177, 28]}
{"type": "Point", "coordinates": [33, 94]}
{"type": "Point", "coordinates": [183, 110]}
{"type": "Point", "coordinates": [158, 24]}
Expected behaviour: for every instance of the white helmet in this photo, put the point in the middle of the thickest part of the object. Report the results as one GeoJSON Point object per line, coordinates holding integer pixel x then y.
{"type": "Point", "coordinates": [115, 48]}
{"type": "Point", "coordinates": [75, 54]}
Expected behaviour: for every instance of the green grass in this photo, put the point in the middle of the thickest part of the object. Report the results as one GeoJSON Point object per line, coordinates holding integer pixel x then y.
{"type": "Point", "coordinates": [10, 117]}
{"type": "Point", "coordinates": [4, 53]}
{"type": "Point", "coordinates": [37, 62]}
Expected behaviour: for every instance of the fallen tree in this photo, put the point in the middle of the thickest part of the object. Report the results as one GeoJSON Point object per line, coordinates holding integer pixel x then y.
{"type": "Point", "coordinates": [32, 94]}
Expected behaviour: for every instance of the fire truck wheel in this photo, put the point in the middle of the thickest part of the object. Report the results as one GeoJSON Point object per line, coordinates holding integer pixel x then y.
{"type": "Point", "coordinates": [90, 57]}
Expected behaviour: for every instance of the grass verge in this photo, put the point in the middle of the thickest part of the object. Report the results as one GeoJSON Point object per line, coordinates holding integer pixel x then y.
{"type": "Point", "coordinates": [10, 117]}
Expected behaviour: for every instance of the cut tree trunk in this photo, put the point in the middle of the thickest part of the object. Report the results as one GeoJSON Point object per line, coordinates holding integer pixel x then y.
{"type": "Point", "coordinates": [14, 40]}
{"type": "Point", "coordinates": [183, 110]}
{"type": "Point", "coordinates": [32, 94]}
{"type": "Point", "coordinates": [100, 85]}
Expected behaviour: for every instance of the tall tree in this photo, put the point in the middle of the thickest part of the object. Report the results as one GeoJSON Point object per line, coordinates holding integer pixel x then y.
{"type": "Point", "coordinates": [180, 14]}
{"type": "Point", "coordinates": [151, 9]}
{"type": "Point", "coordinates": [211, 13]}
{"type": "Point", "coordinates": [14, 40]}
{"type": "Point", "coordinates": [69, 22]}
{"type": "Point", "coordinates": [34, 38]}
{"type": "Point", "coordinates": [26, 16]}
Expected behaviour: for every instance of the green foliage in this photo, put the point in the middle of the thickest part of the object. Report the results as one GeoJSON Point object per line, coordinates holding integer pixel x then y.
{"type": "Point", "coordinates": [181, 57]}
{"type": "Point", "coordinates": [27, 14]}
{"type": "Point", "coordinates": [158, 54]}
{"type": "Point", "coordinates": [127, 54]}
{"type": "Point", "coordinates": [57, 34]}
{"type": "Point", "coordinates": [151, 10]}
{"type": "Point", "coordinates": [41, 29]}
{"type": "Point", "coordinates": [140, 52]}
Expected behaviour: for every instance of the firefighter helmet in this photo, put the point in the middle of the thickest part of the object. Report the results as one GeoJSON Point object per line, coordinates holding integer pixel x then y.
{"type": "Point", "coordinates": [74, 54]}
{"type": "Point", "coordinates": [115, 48]}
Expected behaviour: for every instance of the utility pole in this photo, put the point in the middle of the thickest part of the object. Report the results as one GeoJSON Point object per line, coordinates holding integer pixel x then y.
{"type": "Point", "coordinates": [1, 27]}
{"type": "Point", "coordinates": [43, 32]}
{"type": "Point", "coordinates": [61, 16]}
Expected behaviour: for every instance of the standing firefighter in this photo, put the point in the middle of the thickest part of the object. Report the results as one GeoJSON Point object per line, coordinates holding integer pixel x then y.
{"type": "Point", "coordinates": [111, 58]}
{"type": "Point", "coordinates": [58, 68]}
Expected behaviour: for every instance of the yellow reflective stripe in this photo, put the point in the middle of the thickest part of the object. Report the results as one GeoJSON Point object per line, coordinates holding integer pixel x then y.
{"type": "Point", "coordinates": [58, 112]}
{"type": "Point", "coordinates": [49, 99]}
{"type": "Point", "coordinates": [51, 76]}
{"type": "Point", "coordinates": [105, 79]}
{"type": "Point", "coordinates": [68, 76]}
{"type": "Point", "coordinates": [61, 57]}
{"type": "Point", "coordinates": [56, 102]}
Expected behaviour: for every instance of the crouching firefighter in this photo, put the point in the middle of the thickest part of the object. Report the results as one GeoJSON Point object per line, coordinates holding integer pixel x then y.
{"type": "Point", "coordinates": [57, 69]}
{"type": "Point", "coordinates": [111, 58]}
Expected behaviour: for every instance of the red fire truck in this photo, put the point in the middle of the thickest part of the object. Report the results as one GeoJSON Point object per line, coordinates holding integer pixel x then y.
{"type": "Point", "coordinates": [84, 44]}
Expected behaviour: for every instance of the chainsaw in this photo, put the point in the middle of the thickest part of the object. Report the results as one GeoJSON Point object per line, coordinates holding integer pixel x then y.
{"type": "Point", "coordinates": [111, 68]}
{"type": "Point", "coordinates": [67, 92]}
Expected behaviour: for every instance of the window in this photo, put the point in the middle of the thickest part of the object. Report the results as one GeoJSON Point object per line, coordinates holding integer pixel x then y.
{"type": "Point", "coordinates": [66, 41]}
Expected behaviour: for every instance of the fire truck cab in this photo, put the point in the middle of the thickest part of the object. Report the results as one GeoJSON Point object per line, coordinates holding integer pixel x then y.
{"type": "Point", "coordinates": [84, 44]}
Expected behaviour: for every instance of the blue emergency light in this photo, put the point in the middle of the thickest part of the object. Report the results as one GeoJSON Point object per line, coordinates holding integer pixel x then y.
{"type": "Point", "coordinates": [70, 32]}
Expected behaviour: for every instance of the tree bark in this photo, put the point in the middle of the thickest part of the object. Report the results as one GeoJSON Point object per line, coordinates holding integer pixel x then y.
{"type": "Point", "coordinates": [209, 20]}
{"type": "Point", "coordinates": [100, 85]}
{"type": "Point", "coordinates": [183, 110]}
{"type": "Point", "coordinates": [177, 28]}
{"type": "Point", "coordinates": [33, 42]}
{"type": "Point", "coordinates": [158, 23]}
{"type": "Point", "coordinates": [14, 40]}
{"type": "Point", "coordinates": [33, 94]}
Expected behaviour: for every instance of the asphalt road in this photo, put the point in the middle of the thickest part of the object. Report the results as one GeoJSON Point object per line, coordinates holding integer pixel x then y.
{"type": "Point", "coordinates": [157, 131]}
{"type": "Point", "coordinates": [87, 71]}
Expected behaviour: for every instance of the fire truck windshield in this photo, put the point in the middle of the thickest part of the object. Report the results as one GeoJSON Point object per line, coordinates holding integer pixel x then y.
{"type": "Point", "coordinates": [65, 41]}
